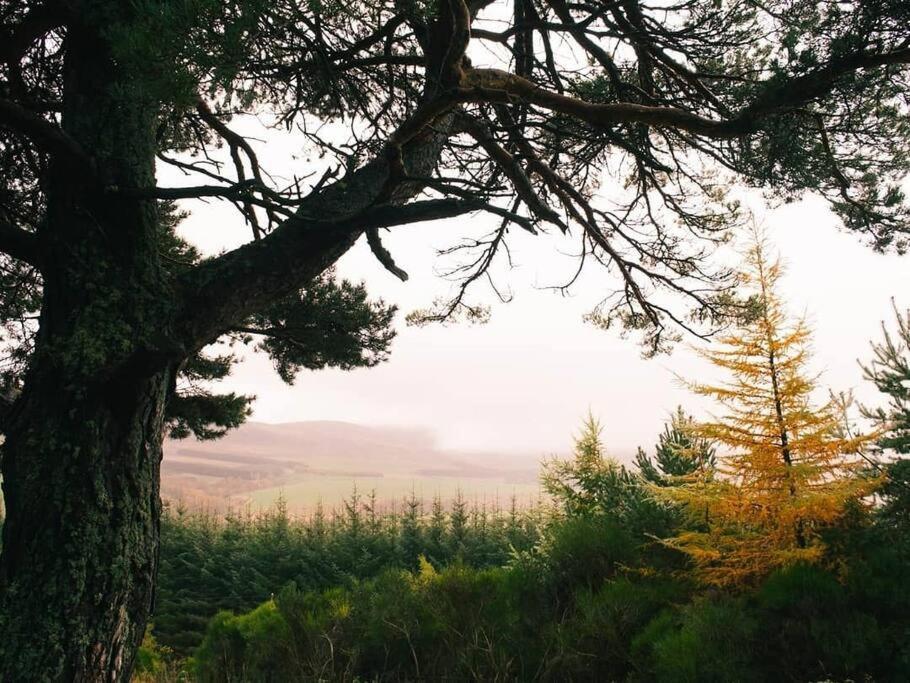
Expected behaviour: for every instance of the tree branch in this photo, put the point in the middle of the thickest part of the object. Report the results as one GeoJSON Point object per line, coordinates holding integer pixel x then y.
{"type": "Point", "coordinates": [14, 41]}
{"type": "Point", "coordinates": [496, 86]}
{"type": "Point", "coordinates": [383, 256]}
{"type": "Point", "coordinates": [512, 170]}
{"type": "Point", "coordinates": [225, 290]}
{"type": "Point", "coordinates": [237, 142]}
{"type": "Point", "coordinates": [20, 244]}
{"type": "Point", "coordinates": [193, 191]}
{"type": "Point", "coordinates": [47, 136]}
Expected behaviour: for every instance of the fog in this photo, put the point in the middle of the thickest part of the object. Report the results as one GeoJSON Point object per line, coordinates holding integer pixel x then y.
{"type": "Point", "coordinates": [525, 380]}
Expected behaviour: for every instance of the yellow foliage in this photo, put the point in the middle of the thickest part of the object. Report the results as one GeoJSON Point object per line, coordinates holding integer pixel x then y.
{"type": "Point", "coordinates": [426, 571]}
{"type": "Point", "coordinates": [786, 468]}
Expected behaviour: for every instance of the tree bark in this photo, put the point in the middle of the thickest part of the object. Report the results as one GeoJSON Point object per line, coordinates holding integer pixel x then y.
{"type": "Point", "coordinates": [82, 443]}
{"type": "Point", "coordinates": [80, 540]}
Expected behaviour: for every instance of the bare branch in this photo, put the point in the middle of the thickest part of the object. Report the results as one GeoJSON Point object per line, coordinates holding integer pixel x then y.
{"type": "Point", "coordinates": [383, 256]}
{"type": "Point", "coordinates": [512, 170]}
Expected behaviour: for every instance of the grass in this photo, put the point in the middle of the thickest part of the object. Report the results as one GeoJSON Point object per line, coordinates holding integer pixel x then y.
{"type": "Point", "coordinates": [331, 490]}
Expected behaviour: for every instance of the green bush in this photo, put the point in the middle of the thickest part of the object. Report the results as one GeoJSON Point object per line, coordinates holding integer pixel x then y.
{"type": "Point", "coordinates": [707, 641]}
{"type": "Point", "coordinates": [250, 647]}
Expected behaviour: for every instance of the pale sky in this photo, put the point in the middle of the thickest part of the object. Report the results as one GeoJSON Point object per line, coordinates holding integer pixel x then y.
{"type": "Point", "coordinates": [524, 381]}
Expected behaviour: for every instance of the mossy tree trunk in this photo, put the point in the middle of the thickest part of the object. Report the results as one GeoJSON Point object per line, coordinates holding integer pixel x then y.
{"type": "Point", "coordinates": [80, 540]}
{"type": "Point", "coordinates": [83, 443]}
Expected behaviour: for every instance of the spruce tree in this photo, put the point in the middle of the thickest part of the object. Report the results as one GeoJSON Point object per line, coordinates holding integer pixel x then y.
{"type": "Point", "coordinates": [889, 370]}
{"type": "Point", "coordinates": [679, 453]}
{"type": "Point", "coordinates": [410, 534]}
{"type": "Point", "coordinates": [458, 526]}
{"type": "Point", "coordinates": [590, 482]}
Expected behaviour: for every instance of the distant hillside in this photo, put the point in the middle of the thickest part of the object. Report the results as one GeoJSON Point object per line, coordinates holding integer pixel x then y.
{"type": "Point", "coordinates": [323, 460]}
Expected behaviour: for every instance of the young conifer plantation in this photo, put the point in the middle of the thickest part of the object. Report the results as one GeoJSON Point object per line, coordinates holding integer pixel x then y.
{"type": "Point", "coordinates": [617, 137]}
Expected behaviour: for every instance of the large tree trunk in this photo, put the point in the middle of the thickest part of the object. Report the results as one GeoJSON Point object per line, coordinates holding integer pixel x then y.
{"type": "Point", "coordinates": [83, 442]}
{"type": "Point", "coordinates": [80, 540]}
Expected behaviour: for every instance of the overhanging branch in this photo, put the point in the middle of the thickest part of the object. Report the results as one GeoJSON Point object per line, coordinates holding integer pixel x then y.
{"type": "Point", "coordinates": [19, 244]}
{"type": "Point", "coordinates": [224, 290]}
{"type": "Point", "coordinates": [502, 87]}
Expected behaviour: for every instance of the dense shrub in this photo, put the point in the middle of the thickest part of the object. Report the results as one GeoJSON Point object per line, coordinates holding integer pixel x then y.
{"type": "Point", "coordinates": [590, 600]}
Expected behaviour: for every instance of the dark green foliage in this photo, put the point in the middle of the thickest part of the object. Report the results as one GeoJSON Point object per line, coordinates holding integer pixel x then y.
{"type": "Point", "coordinates": [207, 416]}
{"type": "Point", "coordinates": [678, 452]}
{"type": "Point", "coordinates": [234, 563]}
{"type": "Point", "coordinates": [327, 324]}
{"type": "Point", "coordinates": [250, 647]}
{"type": "Point", "coordinates": [588, 596]}
{"type": "Point", "coordinates": [814, 624]}
{"type": "Point", "coordinates": [706, 641]}
{"type": "Point", "coordinates": [586, 551]}
{"type": "Point", "coordinates": [598, 640]}
{"type": "Point", "coordinates": [895, 494]}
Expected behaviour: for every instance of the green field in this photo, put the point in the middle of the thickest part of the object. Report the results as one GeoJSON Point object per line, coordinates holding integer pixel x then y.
{"type": "Point", "coordinates": [331, 490]}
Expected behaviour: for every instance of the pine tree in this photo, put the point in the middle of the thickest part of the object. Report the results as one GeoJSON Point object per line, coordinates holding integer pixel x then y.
{"type": "Point", "coordinates": [590, 482]}
{"type": "Point", "coordinates": [787, 468]}
{"type": "Point", "coordinates": [436, 530]}
{"type": "Point", "coordinates": [890, 372]}
{"type": "Point", "coordinates": [353, 517]}
{"type": "Point", "coordinates": [317, 527]}
{"type": "Point", "coordinates": [679, 452]}
{"type": "Point", "coordinates": [410, 541]}
{"type": "Point", "coordinates": [458, 526]}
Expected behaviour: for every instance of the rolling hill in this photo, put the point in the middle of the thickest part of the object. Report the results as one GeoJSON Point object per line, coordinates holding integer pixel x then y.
{"type": "Point", "coordinates": [306, 462]}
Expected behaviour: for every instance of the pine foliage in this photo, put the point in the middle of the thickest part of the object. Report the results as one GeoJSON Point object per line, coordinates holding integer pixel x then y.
{"type": "Point", "coordinates": [590, 482]}
{"type": "Point", "coordinates": [890, 372]}
{"type": "Point", "coordinates": [678, 454]}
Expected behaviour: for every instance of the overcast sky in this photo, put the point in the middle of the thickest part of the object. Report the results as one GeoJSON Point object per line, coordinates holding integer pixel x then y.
{"type": "Point", "coordinates": [524, 381]}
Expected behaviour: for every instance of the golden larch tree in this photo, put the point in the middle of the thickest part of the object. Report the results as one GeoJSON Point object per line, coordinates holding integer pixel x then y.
{"type": "Point", "coordinates": [786, 468]}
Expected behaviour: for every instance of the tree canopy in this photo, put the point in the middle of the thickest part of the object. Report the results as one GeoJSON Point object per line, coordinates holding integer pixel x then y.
{"type": "Point", "coordinates": [619, 123]}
